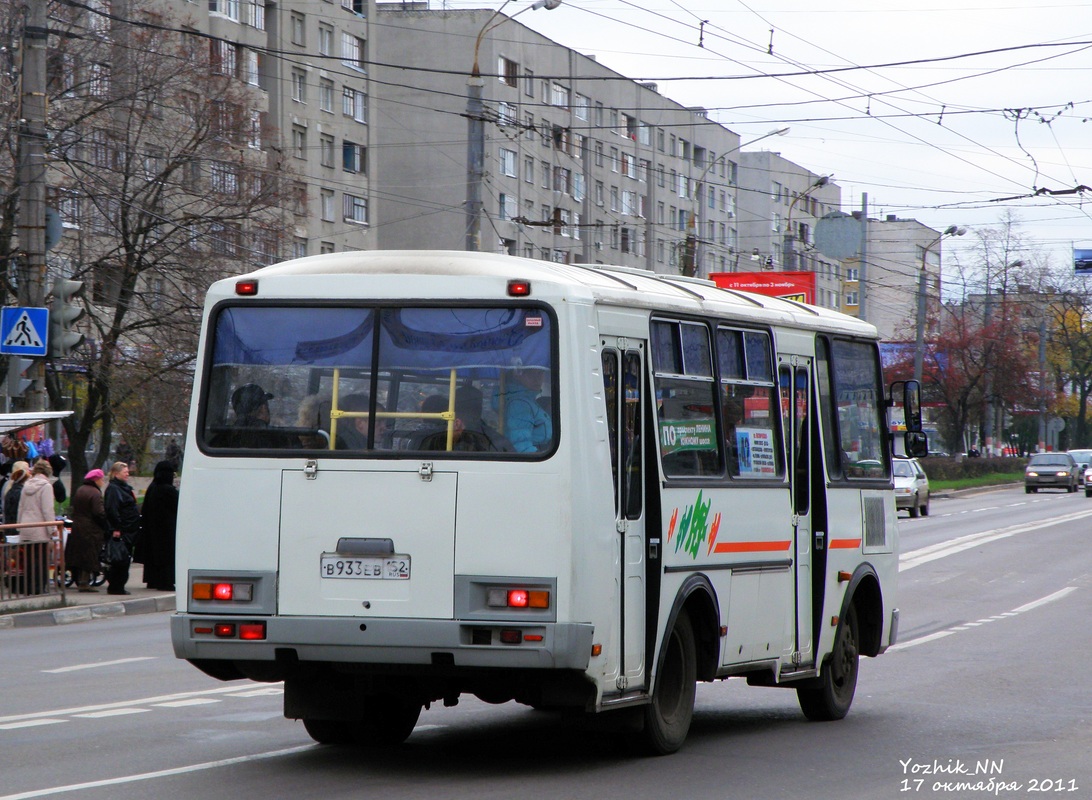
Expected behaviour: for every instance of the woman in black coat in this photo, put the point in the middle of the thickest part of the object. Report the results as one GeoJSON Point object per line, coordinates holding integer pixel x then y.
{"type": "Point", "coordinates": [158, 515]}
{"type": "Point", "coordinates": [89, 529]}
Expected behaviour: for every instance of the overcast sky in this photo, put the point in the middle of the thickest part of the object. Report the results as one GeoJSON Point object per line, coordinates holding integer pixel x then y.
{"type": "Point", "coordinates": [943, 137]}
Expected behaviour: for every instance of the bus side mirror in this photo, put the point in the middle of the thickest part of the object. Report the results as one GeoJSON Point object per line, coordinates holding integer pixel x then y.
{"type": "Point", "coordinates": [911, 403]}
{"type": "Point", "coordinates": [916, 444]}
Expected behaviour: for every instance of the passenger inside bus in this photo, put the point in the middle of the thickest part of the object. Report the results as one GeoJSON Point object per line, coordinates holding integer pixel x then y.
{"type": "Point", "coordinates": [526, 424]}
{"type": "Point", "coordinates": [471, 433]}
{"type": "Point", "coordinates": [352, 432]}
{"type": "Point", "coordinates": [250, 402]}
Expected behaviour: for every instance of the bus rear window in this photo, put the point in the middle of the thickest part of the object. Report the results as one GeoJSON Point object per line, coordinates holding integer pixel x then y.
{"type": "Point", "coordinates": [462, 380]}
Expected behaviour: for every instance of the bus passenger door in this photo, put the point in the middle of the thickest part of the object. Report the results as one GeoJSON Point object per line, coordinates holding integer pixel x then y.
{"type": "Point", "coordinates": [794, 378]}
{"type": "Point", "coordinates": [623, 383]}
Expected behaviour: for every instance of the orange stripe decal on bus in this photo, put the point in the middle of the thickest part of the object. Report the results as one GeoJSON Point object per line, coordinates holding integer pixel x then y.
{"type": "Point", "coordinates": [845, 544]}
{"type": "Point", "coordinates": [750, 547]}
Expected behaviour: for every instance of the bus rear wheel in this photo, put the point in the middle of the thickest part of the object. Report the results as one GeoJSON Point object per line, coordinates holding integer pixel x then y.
{"type": "Point", "coordinates": [667, 718]}
{"type": "Point", "coordinates": [832, 696]}
{"type": "Point", "coordinates": [389, 722]}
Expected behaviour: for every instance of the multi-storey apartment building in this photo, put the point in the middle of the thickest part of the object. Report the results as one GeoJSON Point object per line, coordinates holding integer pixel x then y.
{"type": "Point", "coordinates": [779, 205]}
{"type": "Point", "coordinates": [581, 164]}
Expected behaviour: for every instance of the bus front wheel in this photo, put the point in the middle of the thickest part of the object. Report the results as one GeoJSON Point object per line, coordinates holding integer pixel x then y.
{"type": "Point", "coordinates": [832, 696]}
{"type": "Point", "coordinates": [667, 718]}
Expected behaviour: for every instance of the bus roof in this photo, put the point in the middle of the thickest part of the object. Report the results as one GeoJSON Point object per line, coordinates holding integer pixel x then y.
{"type": "Point", "coordinates": [599, 283]}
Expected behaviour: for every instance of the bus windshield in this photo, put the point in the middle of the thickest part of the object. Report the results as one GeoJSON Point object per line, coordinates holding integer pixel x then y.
{"type": "Point", "coordinates": [381, 379]}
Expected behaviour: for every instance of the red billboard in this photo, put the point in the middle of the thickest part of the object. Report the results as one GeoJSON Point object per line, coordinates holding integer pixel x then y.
{"type": "Point", "coordinates": [798, 286]}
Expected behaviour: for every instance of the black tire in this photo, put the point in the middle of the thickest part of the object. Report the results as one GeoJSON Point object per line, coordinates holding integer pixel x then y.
{"type": "Point", "coordinates": [832, 696]}
{"type": "Point", "coordinates": [1027, 490]}
{"type": "Point", "coordinates": [667, 718]}
{"type": "Point", "coordinates": [390, 721]}
{"type": "Point", "coordinates": [1088, 492]}
{"type": "Point", "coordinates": [329, 731]}
{"type": "Point", "coordinates": [913, 509]}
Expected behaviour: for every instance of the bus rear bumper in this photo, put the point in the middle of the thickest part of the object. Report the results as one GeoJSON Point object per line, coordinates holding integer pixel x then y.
{"type": "Point", "coordinates": [355, 640]}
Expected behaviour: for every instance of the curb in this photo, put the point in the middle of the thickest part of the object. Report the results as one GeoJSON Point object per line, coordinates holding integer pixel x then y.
{"type": "Point", "coordinates": [71, 614]}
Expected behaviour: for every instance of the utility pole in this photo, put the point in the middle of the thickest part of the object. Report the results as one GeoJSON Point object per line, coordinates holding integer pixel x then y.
{"type": "Point", "coordinates": [862, 280]}
{"type": "Point", "coordinates": [31, 268]}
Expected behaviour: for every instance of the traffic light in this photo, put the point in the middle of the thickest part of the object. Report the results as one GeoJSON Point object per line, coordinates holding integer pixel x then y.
{"type": "Point", "coordinates": [62, 313]}
{"type": "Point", "coordinates": [17, 383]}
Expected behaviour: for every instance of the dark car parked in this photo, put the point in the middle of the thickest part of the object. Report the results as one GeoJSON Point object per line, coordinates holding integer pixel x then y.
{"type": "Point", "coordinates": [1051, 471]}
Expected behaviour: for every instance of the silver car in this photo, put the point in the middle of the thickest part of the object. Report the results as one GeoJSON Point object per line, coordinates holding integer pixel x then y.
{"type": "Point", "coordinates": [1050, 471]}
{"type": "Point", "coordinates": [911, 487]}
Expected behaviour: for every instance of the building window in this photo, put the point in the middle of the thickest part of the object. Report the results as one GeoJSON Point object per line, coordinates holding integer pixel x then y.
{"type": "Point", "coordinates": [326, 94]}
{"type": "Point", "coordinates": [356, 6]}
{"type": "Point", "coordinates": [528, 83]}
{"type": "Point", "coordinates": [325, 40]}
{"type": "Point", "coordinates": [352, 51]}
{"type": "Point", "coordinates": [560, 96]}
{"type": "Point", "coordinates": [299, 141]}
{"type": "Point", "coordinates": [326, 143]}
{"type": "Point", "coordinates": [852, 299]}
{"type": "Point", "coordinates": [255, 14]}
{"type": "Point", "coordinates": [297, 26]}
{"type": "Point", "coordinates": [507, 114]}
{"type": "Point", "coordinates": [508, 162]}
{"type": "Point", "coordinates": [299, 247]}
{"type": "Point", "coordinates": [326, 198]}
{"type": "Point", "coordinates": [299, 86]}
{"type": "Point", "coordinates": [506, 208]}
{"type": "Point", "coordinates": [354, 104]}
{"type": "Point", "coordinates": [580, 107]}
{"type": "Point", "coordinates": [352, 157]}
{"type": "Point", "coordinates": [326, 247]}
{"type": "Point", "coordinates": [223, 178]}
{"type": "Point", "coordinates": [508, 71]}
{"type": "Point", "coordinates": [252, 67]}
{"type": "Point", "coordinates": [356, 209]}
{"type": "Point", "coordinates": [223, 57]}
{"type": "Point", "coordinates": [225, 8]}
{"type": "Point", "coordinates": [529, 169]}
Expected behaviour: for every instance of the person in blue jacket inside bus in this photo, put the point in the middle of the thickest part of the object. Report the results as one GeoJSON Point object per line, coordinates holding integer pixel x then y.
{"type": "Point", "coordinates": [528, 426]}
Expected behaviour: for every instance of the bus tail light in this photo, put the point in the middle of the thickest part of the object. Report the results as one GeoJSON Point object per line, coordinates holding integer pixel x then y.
{"type": "Point", "coordinates": [502, 597]}
{"type": "Point", "coordinates": [223, 592]}
{"type": "Point", "coordinates": [249, 631]}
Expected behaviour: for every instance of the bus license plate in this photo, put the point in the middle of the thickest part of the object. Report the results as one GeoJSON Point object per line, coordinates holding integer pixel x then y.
{"type": "Point", "coordinates": [395, 568]}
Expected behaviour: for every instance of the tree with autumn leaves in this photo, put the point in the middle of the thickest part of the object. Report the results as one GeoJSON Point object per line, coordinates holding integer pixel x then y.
{"type": "Point", "coordinates": [984, 353]}
{"type": "Point", "coordinates": [160, 165]}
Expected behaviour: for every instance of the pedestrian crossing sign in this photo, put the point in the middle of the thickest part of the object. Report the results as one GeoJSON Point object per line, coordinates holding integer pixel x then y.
{"type": "Point", "coordinates": [24, 331]}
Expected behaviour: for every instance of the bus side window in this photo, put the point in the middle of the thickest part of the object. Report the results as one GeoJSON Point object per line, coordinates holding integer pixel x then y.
{"type": "Point", "coordinates": [610, 394]}
{"type": "Point", "coordinates": [686, 405]}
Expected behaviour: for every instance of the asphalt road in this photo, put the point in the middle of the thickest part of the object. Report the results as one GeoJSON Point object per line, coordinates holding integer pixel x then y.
{"type": "Point", "coordinates": [984, 690]}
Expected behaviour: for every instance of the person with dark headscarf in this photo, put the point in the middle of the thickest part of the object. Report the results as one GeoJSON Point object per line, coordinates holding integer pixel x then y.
{"type": "Point", "coordinates": [158, 515]}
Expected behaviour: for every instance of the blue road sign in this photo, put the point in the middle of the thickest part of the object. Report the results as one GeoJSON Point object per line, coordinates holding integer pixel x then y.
{"type": "Point", "coordinates": [24, 331]}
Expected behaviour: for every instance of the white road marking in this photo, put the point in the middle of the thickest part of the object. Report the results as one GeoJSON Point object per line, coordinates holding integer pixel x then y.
{"type": "Point", "coordinates": [97, 664]}
{"type": "Point", "coordinates": [113, 712]}
{"type": "Point", "coordinates": [162, 773]}
{"type": "Point", "coordinates": [30, 723]}
{"type": "Point", "coordinates": [193, 701]}
{"type": "Point", "coordinates": [932, 637]}
{"type": "Point", "coordinates": [144, 701]}
{"type": "Point", "coordinates": [943, 549]}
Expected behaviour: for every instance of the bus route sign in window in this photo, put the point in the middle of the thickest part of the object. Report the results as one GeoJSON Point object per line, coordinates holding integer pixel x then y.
{"type": "Point", "coordinates": [471, 381]}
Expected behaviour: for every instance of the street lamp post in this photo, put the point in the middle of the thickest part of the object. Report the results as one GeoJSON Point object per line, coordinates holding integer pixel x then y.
{"type": "Point", "coordinates": [475, 122]}
{"type": "Point", "coordinates": [993, 408]}
{"type": "Point", "coordinates": [789, 256]}
{"type": "Point", "coordinates": [690, 257]}
{"type": "Point", "coordinates": [923, 283]}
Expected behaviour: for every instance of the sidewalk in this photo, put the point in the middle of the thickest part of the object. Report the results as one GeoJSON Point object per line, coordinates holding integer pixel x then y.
{"type": "Point", "coordinates": [84, 606]}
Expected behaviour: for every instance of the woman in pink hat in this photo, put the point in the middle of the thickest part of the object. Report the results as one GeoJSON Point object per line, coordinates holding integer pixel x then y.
{"type": "Point", "coordinates": [89, 530]}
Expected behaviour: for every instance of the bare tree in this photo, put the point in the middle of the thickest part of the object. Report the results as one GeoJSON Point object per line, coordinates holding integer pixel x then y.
{"type": "Point", "coordinates": [160, 166]}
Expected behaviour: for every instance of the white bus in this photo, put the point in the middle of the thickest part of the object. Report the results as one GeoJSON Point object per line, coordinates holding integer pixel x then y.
{"type": "Point", "coordinates": [413, 475]}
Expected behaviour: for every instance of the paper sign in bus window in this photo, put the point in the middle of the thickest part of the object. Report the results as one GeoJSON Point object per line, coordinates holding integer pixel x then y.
{"type": "Point", "coordinates": [755, 452]}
